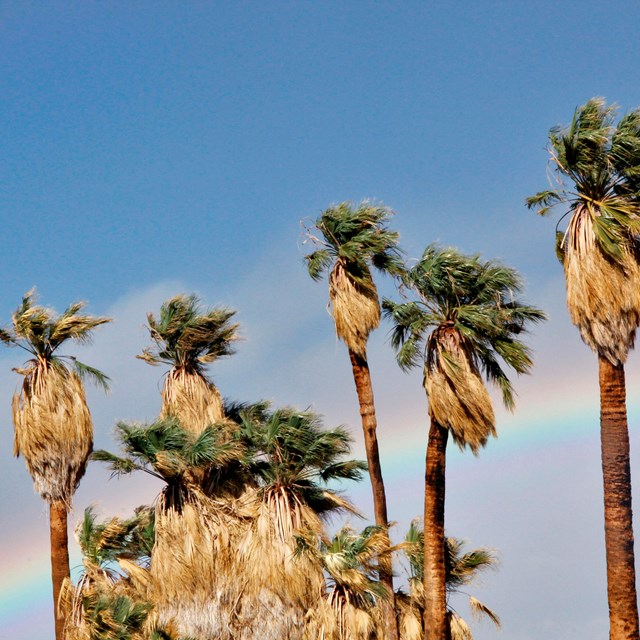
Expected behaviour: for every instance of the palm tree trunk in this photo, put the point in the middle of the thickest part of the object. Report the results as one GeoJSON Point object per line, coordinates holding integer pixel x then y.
{"type": "Point", "coordinates": [59, 558]}
{"type": "Point", "coordinates": [618, 523]}
{"type": "Point", "coordinates": [364, 389]}
{"type": "Point", "coordinates": [435, 590]}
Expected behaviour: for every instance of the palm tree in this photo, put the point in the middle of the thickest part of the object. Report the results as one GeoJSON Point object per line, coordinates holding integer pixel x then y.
{"type": "Point", "coordinates": [461, 569]}
{"type": "Point", "coordinates": [355, 239]}
{"type": "Point", "coordinates": [464, 320]}
{"type": "Point", "coordinates": [597, 166]}
{"type": "Point", "coordinates": [294, 459]}
{"type": "Point", "coordinates": [349, 608]}
{"type": "Point", "coordinates": [107, 603]}
{"type": "Point", "coordinates": [53, 429]}
{"type": "Point", "coordinates": [187, 339]}
{"type": "Point", "coordinates": [197, 521]}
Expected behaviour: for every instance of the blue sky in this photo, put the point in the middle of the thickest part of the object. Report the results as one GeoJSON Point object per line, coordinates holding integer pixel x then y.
{"type": "Point", "coordinates": [150, 148]}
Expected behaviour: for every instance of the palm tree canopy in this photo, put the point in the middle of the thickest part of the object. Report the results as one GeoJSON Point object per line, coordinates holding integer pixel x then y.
{"type": "Point", "coordinates": [475, 299]}
{"type": "Point", "coordinates": [293, 451]}
{"type": "Point", "coordinates": [188, 337]}
{"type": "Point", "coordinates": [40, 331]}
{"type": "Point", "coordinates": [359, 237]}
{"type": "Point", "coordinates": [461, 568]}
{"type": "Point", "coordinates": [597, 165]}
{"type": "Point", "coordinates": [167, 451]}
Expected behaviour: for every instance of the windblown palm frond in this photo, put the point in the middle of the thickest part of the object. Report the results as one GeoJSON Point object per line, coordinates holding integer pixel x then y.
{"type": "Point", "coordinates": [350, 241]}
{"type": "Point", "coordinates": [597, 165]}
{"type": "Point", "coordinates": [466, 321]}
{"type": "Point", "coordinates": [188, 338]}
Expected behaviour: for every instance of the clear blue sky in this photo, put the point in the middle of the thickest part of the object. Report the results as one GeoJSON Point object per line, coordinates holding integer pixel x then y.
{"type": "Point", "coordinates": [153, 147]}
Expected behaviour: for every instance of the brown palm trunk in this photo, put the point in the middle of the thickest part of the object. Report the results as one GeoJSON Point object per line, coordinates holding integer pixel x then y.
{"type": "Point", "coordinates": [364, 389]}
{"type": "Point", "coordinates": [435, 625]}
{"type": "Point", "coordinates": [618, 523]}
{"type": "Point", "coordinates": [59, 558]}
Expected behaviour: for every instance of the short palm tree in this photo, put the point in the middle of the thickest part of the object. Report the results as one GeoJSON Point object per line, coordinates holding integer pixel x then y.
{"type": "Point", "coordinates": [597, 165]}
{"type": "Point", "coordinates": [461, 569]}
{"type": "Point", "coordinates": [53, 429]}
{"type": "Point", "coordinates": [464, 321]}
{"type": "Point", "coordinates": [349, 608]}
{"type": "Point", "coordinates": [107, 603]}
{"type": "Point", "coordinates": [195, 522]}
{"type": "Point", "coordinates": [294, 460]}
{"type": "Point", "coordinates": [187, 339]}
{"type": "Point", "coordinates": [355, 239]}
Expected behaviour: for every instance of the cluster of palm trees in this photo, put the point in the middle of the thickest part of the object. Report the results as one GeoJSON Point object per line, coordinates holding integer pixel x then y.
{"type": "Point", "coordinates": [237, 543]}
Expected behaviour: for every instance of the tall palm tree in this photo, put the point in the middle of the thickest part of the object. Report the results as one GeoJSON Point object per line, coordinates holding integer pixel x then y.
{"type": "Point", "coordinates": [53, 429]}
{"type": "Point", "coordinates": [187, 339]}
{"type": "Point", "coordinates": [597, 166]}
{"type": "Point", "coordinates": [463, 321]}
{"type": "Point", "coordinates": [461, 569]}
{"type": "Point", "coordinates": [353, 240]}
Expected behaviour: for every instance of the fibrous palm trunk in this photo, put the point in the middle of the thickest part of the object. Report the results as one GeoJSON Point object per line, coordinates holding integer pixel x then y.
{"type": "Point", "coordinates": [59, 558]}
{"type": "Point", "coordinates": [618, 524]}
{"type": "Point", "coordinates": [435, 606]}
{"type": "Point", "coordinates": [364, 389]}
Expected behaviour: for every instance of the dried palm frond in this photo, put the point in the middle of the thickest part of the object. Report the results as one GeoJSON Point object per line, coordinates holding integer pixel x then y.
{"type": "Point", "coordinates": [192, 399]}
{"type": "Point", "coordinates": [356, 308]}
{"type": "Point", "coordinates": [458, 398]}
{"type": "Point", "coordinates": [409, 615]}
{"type": "Point", "coordinates": [603, 296]}
{"type": "Point", "coordinates": [53, 429]}
{"type": "Point", "coordinates": [267, 550]}
{"type": "Point", "coordinates": [458, 628]}
{"type": "Point", "coordinates": [194, 569]}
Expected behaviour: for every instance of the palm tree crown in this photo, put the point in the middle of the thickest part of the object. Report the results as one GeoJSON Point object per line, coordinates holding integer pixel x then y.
{"type": "Point", "coordinates": [465, 320]}
{"type": "Point", "coordinates": [188, 339]}
{"type": "Point", "coordinates": [354, 239]}
{"type": "Point", "coordinates": [597, 166]}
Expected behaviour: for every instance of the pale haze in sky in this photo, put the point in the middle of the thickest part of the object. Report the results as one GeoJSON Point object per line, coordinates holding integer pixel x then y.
{"type": "Point", "coordinates": [153, 148]}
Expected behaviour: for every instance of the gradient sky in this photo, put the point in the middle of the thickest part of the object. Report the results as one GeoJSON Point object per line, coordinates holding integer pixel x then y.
{"type": "Point", "coordinates": [150, 148]}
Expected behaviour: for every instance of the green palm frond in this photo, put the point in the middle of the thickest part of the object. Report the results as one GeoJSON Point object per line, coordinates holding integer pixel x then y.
{"type": "Point", "coordinates": [293, 450]}
{"type": "Point", "coordinates": [350, 560]}
{"type": "Point", "coordinates": [104, 542]}
{"type": "Point", "coordinates": [185, 335]}
{"type": "Point", "coordinates": [167, 451]}
{"type": "Point", "coordinates": [461, 567]}
{"type": "Point", "coordinates": [85, 372]}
